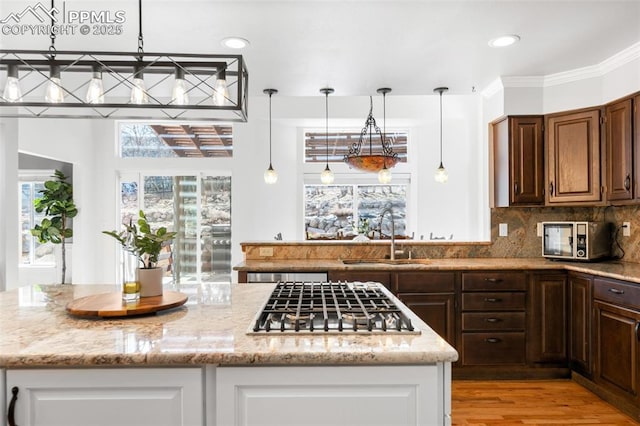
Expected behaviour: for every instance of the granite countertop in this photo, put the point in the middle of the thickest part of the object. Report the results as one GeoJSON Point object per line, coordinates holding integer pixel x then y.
{"type": "Point", "coordinates": [613, 269]}
{"type": "Point", "coordinates": [211, 328]}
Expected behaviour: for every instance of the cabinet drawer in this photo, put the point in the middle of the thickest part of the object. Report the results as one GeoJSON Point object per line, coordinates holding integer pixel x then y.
{"type": "Point", "coordinates": [619, 293]}
{"type": "Point", "coordinates": [426, 282]}
{"type": "Point", "coordinates": [493, 348]}
{"type": "Point", "coordinates": [481, 321]}
{"type": "Point", "coordinates": [493, 301]}
{"type": "Point", "coordinates": [494, 281]}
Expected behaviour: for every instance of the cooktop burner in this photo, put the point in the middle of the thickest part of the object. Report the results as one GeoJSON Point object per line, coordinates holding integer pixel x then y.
{"type": "Point", "coordinates": [326, 307]}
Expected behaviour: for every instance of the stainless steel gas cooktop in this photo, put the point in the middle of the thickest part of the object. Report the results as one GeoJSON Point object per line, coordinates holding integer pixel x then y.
{"type": "Point", "coordinates": [328, 307]}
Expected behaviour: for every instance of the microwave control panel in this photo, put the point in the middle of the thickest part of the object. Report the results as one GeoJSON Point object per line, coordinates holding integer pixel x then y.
{"type": "Point", "coordinates": [581, 240]}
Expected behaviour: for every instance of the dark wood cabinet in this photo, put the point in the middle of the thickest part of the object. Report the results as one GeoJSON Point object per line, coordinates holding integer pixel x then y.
{"type": "Point", "coordinates": [636, 146]}
{"type": "Point", "coordinates": [619, 142]}
{"type": "Point", "coordinates": [518, 161]}
{"type": "Point", "coordinates": [573, 148]}
{"type": "Point", "coordinates": [580, 323]}
{"type": "Point", "coordinates": [547, 334]}
{"type": "Point", "coordinates": [617, 335]}
{"type": "Point", "coordinates": [432, 297]}
{"type": "Point", "coordinates": [493, 328]}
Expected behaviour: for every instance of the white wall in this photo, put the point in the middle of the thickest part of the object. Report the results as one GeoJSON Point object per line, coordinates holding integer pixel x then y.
{"type": "Point", "coordinates": [9, 219]}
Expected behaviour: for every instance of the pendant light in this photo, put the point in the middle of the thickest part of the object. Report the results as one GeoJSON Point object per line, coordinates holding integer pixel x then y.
{"type": "Point", "coordinates": [179, 94]}
{"type": "Point", "coordinates": [384, 175]}
{"type": "Point", "coordinates": [270, 175]}
{"type": "Point", "coordinates": [12, 91]}
{"type": "Point", "coordinates": [441, 175]}
{"type": "Point", "coordinates": [139, 93]}
{"type": "Point", "coordinates": [220, 91]}
{"type": "Point", "coordinates": [326, 176]}
{"type": "Point", "coordinates": [95, 92]}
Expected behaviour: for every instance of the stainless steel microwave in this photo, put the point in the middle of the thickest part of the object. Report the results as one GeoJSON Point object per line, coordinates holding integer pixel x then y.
{"type": "Point", "coordinates": [576, 240]}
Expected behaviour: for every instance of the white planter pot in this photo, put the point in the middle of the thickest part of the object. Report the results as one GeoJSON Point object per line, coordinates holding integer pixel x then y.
{"type": "Point", "coordinates": [150, 282]}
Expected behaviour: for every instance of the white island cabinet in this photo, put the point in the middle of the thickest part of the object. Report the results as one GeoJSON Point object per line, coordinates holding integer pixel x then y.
{"type": "Point", "coordinates": [334, 395]}
{"type": "Point", "coordinates": [97, 397]}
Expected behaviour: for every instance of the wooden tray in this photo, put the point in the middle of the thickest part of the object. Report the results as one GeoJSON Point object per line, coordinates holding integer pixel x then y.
{"type": "Point", "coordinates": [111, 305]}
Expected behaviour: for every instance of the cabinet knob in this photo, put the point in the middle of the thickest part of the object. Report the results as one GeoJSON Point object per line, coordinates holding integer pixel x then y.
{"type": "Point", "coordinates": [637, 329]}
{"type": "Point", "coordinates": [551, 188]}
{"type": "Point", "coordinates": [627, 182]}
{"type": "Point", "coordinates": [12, 407]}
{"type": "Point", "coordinates": [516, 188]}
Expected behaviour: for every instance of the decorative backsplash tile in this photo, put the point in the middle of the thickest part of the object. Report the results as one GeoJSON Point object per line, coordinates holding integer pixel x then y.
{"type": "Point", "coordinates": [521, 241]}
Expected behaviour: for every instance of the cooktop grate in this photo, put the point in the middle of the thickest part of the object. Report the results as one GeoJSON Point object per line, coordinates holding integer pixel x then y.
{"type": "Point", "coordinates": [324, 307]}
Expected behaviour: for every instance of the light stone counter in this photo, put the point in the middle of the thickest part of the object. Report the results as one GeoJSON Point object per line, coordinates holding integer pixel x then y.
{"type": "Point", "coordinates": [628, 271]}
{"type": "Point", "coordinates": [36, 331]}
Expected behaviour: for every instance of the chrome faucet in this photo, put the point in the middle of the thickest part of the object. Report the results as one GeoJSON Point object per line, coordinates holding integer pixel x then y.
{"type": "Point", "coordinates": [392, 255]}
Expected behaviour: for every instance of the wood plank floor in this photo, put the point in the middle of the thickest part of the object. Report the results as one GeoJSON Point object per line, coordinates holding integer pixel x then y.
{"type": "Point", "coordinates": [543, 402]}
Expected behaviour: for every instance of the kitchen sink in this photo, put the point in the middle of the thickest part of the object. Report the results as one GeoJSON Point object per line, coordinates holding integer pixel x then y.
{"type": "Point", "coordinates": [386, 261]}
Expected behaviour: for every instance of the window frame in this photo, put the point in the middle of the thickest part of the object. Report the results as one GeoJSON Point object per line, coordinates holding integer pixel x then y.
{"type": "Point", "coordinates": [32, 177]}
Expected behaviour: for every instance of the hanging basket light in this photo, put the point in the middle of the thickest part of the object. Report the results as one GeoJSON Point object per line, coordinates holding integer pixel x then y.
{"type": "Point", "coordinates": [369, 160]}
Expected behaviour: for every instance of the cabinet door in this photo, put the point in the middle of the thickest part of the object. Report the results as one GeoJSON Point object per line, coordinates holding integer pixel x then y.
{"type": "Point", "coordinates": [617, 357]}
{"type": "Point", "coordinates": [526, 154]}
{"type": "Point", "coordinates": [108, 397]}
{"type": "Point", "coordinates": [580, 323]}
{"type": "Point", "coordinates": [518, 161]}
{"type": "Point", "coordinates": [573, 166]}
{"type": "Point", "coordinates": [636, 146]}
{"type": "Point", "coordinates": [619, 150]}
{"type": "Point", "coordinates": [547, 338]}
{"type": "Point", "coordinates": [437, 310]}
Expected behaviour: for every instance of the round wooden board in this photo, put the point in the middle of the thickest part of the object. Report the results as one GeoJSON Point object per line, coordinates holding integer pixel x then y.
{"type": "Point", "coordinates": [111, 305]}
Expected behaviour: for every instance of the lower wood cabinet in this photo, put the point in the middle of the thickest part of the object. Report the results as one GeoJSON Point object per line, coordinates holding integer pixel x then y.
{"type": "Point", "coordinates": [547, 333]}
{"type": "Point", "coordinates": [431, 296]}
{"type": "Point", "coordinates": [579, 307]}
{"type": "Point", "coordinates": [123, 396]}
{"type": "Point", "coordinates": [617, 335]}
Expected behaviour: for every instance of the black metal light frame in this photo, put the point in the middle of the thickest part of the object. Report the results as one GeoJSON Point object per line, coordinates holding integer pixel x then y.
{"type": "Point", "coordinates": [201, 70]}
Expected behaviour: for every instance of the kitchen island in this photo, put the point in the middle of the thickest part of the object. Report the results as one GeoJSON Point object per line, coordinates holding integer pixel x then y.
{"type": "Point", "coordinates": [216, 373]}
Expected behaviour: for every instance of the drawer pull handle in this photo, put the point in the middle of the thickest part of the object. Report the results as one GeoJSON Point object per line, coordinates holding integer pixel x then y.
{"type": "Point", "coordinates": [492, 340]}
{"type": "Point", "coordinates": [493, 280]}
{"type": "Point", "coordinates": [616, 291]}
{"type": "Point", "coordinates": [637, 329]}
{"type": "Point", "coordinates": [12, 407]}
{"type": "Point", "coordinates": [492, 319]}
{"type": "Point", "coordinates": [492, 299]}
{"type": "Point", "coordinates": [627, 182]}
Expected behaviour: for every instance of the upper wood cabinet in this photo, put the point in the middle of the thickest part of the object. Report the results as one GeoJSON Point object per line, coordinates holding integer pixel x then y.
{"type": "Point", "coordinates": [636, 142]}
{"type": "Point", "coordinates": [619, 140]}
{"type": "Point", "coordinates": [573, 158]}
{"type": "Point", "coordinates": [519, 161]}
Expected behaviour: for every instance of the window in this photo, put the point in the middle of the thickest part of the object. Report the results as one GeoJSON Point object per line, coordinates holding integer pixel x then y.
{"type": "Point", "coordinates": [198, 208]}
{"type": "Point", "coordinates": [341, 140]}
{"type": "Point", "coordinates": [32, 252]}
{"type": "Point", "coordinates": [175, 140]}
{"type": "Point", "coordinates": [343, 211]}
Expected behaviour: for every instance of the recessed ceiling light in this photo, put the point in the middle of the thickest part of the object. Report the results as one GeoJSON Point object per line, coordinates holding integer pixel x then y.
{"type": "Point", "coordinates": [235, 42]}
{"type": "Point", "coordinates": [504, 41]}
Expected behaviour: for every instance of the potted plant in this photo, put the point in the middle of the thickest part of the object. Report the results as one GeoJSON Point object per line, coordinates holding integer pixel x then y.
{"type": "Point", "coordinates": [57, 204]}
{"type": "Point", "coordinates": [146, 244]}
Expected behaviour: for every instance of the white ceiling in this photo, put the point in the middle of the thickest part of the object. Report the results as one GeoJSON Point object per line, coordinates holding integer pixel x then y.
{"type": "Point", "coordinates": [358, 46]}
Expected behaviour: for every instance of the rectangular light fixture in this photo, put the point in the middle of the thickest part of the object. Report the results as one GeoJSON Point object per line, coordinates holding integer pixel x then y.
{"type": "Point", "coordinates": [123, 85]}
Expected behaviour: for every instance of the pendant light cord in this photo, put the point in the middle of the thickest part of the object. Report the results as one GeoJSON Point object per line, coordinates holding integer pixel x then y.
{"type": "Point", "coordinates": [140, 38]}
{"type": "Point", "coordinates": [326, 125]}
{"type": "Point", "coordinates": [52, 36]}
{"type": "Point", "coordinates": [441, 128]}
{"type": "Point", "coordinates": [270, 129]}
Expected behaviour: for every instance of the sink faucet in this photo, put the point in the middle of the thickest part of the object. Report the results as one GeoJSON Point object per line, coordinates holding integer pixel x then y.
{"type": "Point", "coordinates": [392, 255]}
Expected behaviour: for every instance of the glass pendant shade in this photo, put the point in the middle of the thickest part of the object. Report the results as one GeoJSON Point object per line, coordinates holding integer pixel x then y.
{"type": "Point", "coordinates": [139, 91]}
{"type": "Point", "coordinates": [179, 94]}
{"type": "Point", "coordinates": [12, 91]}
{"type": "Point", "coordinates": [95, 92]}
{"type": "Point", "coordinates": [220, 91]}
{"type": "Point", "coordinates": [326, 177]}
{"type": "Point", "coordinates": [441, 175]}
{"type": "Point", "coordinates": [54, 93]}
{"type": "Point", "coordinates": [270, 175]}
{"type": "Point", "coordinates": [384, 175]}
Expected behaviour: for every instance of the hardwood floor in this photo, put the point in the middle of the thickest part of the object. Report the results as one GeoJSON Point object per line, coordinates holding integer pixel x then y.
{"type": "Point", "coordinates": [543, 402]}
